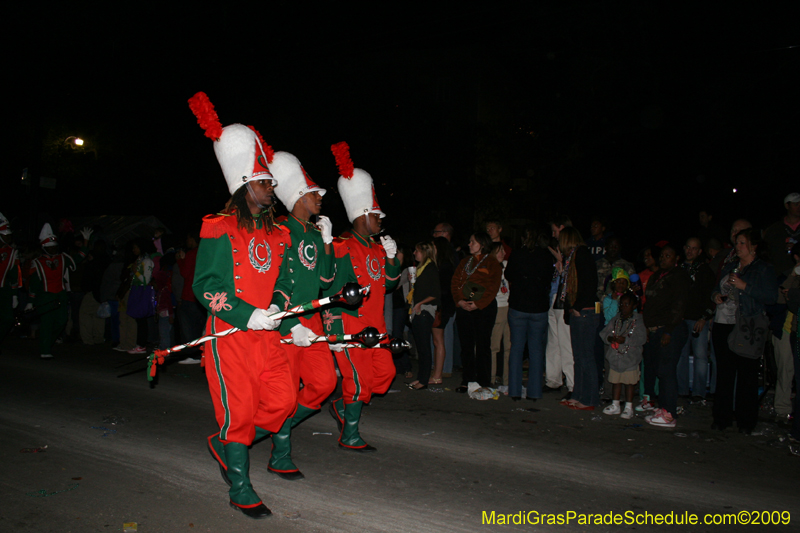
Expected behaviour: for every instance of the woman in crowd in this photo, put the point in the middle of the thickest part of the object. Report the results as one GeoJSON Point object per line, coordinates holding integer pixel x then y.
{"type": "Point", "coordinates": [424, 298]}
{"type": "Point", "coordinates": [474, 286]}
{"type": "Point", "coordinates": [400, 306]}
{"type": "Point", "coordinates": [529, 272]}
{"type": "Point", "coordinates": [649, 256]}
{"type": "Point", "coordinates": [664, 314]}
{"type": "Point", "coordinates": [137, 275]}
{"type": "Point", "coordinates": [577, 295]}
{"type": "Point", "coordinates": [446, 263]}
{"type": "Point", "coordinates": [501, 334]}
{"type": "Point", "coordinates": [746, 285]}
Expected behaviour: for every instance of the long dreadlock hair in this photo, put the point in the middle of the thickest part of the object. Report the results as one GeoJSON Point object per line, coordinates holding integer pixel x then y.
{"type": "Point", "coordinates": [238, 205]}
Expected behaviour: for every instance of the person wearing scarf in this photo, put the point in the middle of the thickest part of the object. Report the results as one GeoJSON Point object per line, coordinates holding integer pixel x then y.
{"type": "Point", "coordinates": [424, 297]}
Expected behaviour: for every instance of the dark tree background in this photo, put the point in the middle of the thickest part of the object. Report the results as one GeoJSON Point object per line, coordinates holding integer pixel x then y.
{"type": "Point", "coordinates": [636, 111]}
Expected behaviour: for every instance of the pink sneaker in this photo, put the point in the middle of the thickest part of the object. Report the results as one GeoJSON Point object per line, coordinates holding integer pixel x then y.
{"type": "Point", "coordinates": [661, 418]}
{"type": "Point", "coordinates": [646, 405]}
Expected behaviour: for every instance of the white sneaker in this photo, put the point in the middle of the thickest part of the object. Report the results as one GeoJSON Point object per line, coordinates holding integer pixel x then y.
{"type": "Point", "coordinates": [189, 361]}
{"type": "Point", "coordinates": [612, 409]}
{"type": "Point", "coordinates": [627, 414]}
{"type": "Point", "coordinates": [503, 389]}
{"type": "Point", "coordinates": [137, 349]}
{"type": "Point", "coordinates": [661, 418]}
{"type": "Point", "coordinates": [46, 356]}
{"type": "Point", "coordinates": [119, 348]}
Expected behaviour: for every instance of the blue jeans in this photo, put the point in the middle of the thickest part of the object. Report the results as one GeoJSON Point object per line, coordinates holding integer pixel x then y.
{"type": "Point", "coordinates": [582, 332]}
{"type": "Point", "coordinates": [530, 328]}
{"type": "Point", "coordinates": [662, 362]}
{"type": "Point", "coordinates": [164, 333]}
{"type": "Point", "coordinates": [699, 348]}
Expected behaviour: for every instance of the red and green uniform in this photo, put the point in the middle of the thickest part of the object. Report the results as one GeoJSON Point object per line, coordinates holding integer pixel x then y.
{"type": "Point", "coordinates": [364, 370]}
{"type": "Point", "coordinates": [248, 374]}
{"type": "Point", "coordinates": [49, 285]}
{"type": "Point", "coordinates": [305, 272]}
{"type": "Point", "coordinates": [10, 281]}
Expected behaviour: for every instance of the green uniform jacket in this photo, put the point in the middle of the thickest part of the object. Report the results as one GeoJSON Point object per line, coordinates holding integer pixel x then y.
{"type": "Point", "coordinates": [307, 271]}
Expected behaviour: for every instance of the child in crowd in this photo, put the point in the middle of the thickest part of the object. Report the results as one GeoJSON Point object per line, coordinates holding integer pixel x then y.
{"type": "Point", "coordinates": [619, 284]}
{"type": "Point", "coordinates": [625, 336]}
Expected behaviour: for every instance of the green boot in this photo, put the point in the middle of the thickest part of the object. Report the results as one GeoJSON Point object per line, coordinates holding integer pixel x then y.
{"type": "Point", "coordinates": [349, 438]}
{"type": "Point", "coordinates": [280, 463]}
{"type": "Point", "coordinates": [302, 413]}
{"type": "Point", "coordinates": [217, 451]}
{"type": "Point", "coordinates": [336, 409]}
{"type": "Point", "coordinates": [243, 497]}
{"type": "Point", "coordinates": [260, 434]}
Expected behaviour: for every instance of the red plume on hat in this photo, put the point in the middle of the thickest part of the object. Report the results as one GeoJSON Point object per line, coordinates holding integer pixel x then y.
{"type": "Point", "coordinates": [269, 153]}
{"type": "Point", "coordinates": [203, 109]}
{"type": "Point", "coordinates": [341, 151]}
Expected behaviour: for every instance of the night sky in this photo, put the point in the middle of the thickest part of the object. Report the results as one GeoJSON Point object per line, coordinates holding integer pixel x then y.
{"type": "Point", "coordinates": [639, 112]}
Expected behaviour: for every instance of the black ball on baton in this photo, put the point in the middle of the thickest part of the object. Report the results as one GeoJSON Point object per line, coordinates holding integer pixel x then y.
{"type": "Point", "coordinates": [397, 346]}
{"type": "Point", "coordinates": [369, 337]}
{"type": "Point", "coordinates": [351, 293]}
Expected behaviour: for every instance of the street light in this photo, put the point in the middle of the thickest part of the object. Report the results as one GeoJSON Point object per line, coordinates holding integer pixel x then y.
{"type": "Point", "coordinates": [76, 140]}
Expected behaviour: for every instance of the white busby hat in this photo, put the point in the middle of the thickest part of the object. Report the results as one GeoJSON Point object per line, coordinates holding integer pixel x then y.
{"type": "Point", "coordinates": [355, 185]}
{"type": "Point", "coordinates": [241, 152]}
{"type": "Point", "coordinates": [5, 227]}
{"type": "Point", "coordinates": [293, 179]}
{"type": "Point", "coordinates": [46, 236]}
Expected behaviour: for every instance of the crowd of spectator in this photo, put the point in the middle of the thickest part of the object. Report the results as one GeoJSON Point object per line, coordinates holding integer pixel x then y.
{"type": "Point", "coordinates": [701, 320]}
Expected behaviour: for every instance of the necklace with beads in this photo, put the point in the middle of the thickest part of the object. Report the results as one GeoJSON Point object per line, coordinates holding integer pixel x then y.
{"type": "Point", "coordinates": [619, 325]}
{"type": "Point", "coordinates": [470, 271]}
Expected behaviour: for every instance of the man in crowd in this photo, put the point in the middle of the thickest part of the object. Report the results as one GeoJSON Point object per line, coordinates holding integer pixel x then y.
{"type": "Point", "coordinates": [307, 268]}
{"type": "Point", "coordinates": [598, 240]}
{"type": "Point", "coordinates": [780, 238]}
{"type": "Point", "coordinates": [699, 312]}
{"type": "Point", "coordinates": [608, 262]}
{"type": "Point", "coordinates": [495, 229]}
{"type": "Point", "coordinates": [191, 314]}
{"type": "Point", "coordinates": [365, 371]}
{"type": "Point", "coordinates": [240, 255]}
{"type": "Point", "coordinates": [10, 278]}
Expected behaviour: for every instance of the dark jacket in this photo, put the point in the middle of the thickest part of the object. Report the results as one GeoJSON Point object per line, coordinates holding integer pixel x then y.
{"type": "Point", "coordinates": [699, 304]}
{"type": "Point", "coordinates": [667, 297]}
{"type": "Point", "coordinates": [529, 274]}
{"type": "Point", "coordinates": [587, 282]}
{"type": "Point", "coordinates": [761, 289]}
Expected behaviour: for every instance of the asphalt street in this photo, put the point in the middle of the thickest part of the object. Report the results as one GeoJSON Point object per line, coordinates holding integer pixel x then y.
{"type": "Point", "coordinates": [120, 451]}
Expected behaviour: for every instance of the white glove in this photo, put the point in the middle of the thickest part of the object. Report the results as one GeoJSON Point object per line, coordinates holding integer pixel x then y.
{"type": "Point", "coordinates": [301, 336]}
{"type": "Point", "coordinates": [29, 306]}
{"type": "Point", "coordinates": [326, 228]}
{"type": "Point", "coordinates": [336, 347]}
{"type": "Point", "coordinates": [87, 232]}
{"type": "Point", "coordinates": [260, 319]}
{"type": "Point", "coordinates": [390, 246]}
{"type": "Point", "coordinates": [14, 301]}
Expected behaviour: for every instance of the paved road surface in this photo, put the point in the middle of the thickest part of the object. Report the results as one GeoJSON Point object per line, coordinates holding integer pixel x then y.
{"type": "Point", "coordinates": [443, 459]}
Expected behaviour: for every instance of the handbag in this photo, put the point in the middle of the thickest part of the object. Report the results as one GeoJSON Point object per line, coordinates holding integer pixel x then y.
{"type": "Point", "coordinates": [472, 291]}
{"type": "Point", "coordinates": [749, 335]}
{"type": "Point", "coordinates": [142, 302]}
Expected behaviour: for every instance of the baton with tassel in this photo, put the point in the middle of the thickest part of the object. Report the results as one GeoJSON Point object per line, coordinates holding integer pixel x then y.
{"type": "Point", "coordinates": [351, 294]}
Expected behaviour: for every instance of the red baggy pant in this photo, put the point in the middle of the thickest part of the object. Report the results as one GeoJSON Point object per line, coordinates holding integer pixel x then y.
{"type": "Point", "coordinates": [365, 372]}
{"type": "Point", "coordinates": [250, 381]}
